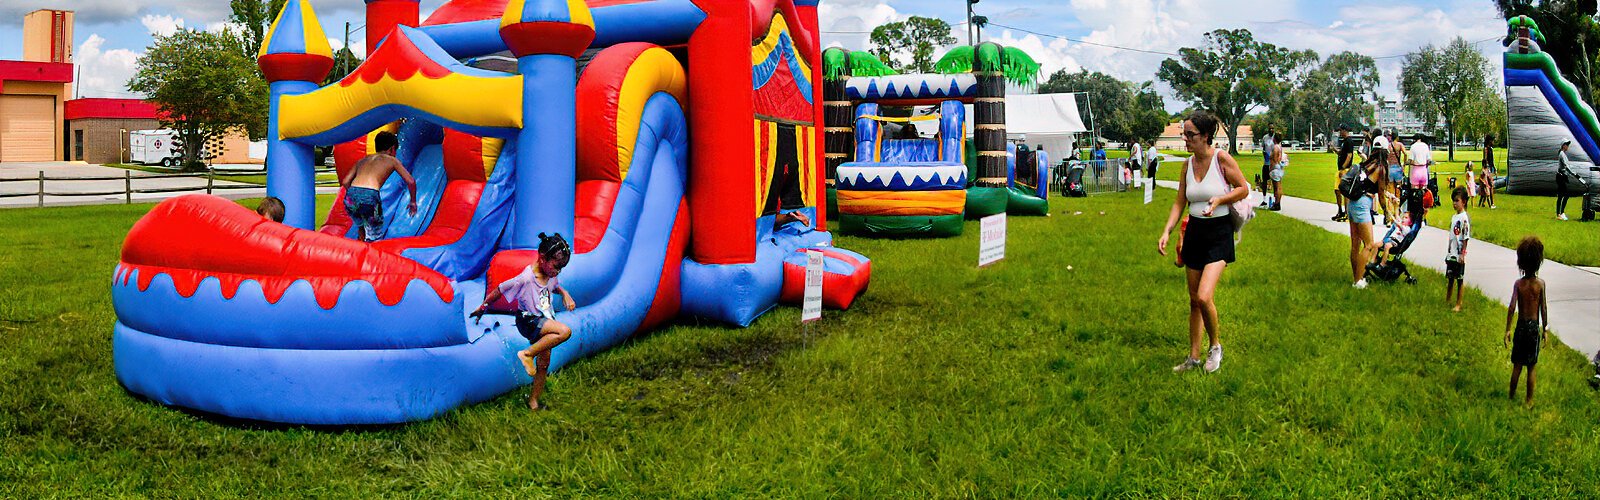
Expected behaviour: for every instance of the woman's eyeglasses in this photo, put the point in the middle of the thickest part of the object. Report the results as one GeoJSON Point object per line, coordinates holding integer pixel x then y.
{"type": "Point", "coordinates": [1190, 135]}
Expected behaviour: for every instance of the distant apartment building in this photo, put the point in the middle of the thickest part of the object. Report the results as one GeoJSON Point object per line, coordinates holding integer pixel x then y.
{"type": "Point", "coordinates": [1391, 116]}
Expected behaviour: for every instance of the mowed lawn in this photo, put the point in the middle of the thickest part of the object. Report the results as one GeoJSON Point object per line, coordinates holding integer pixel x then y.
{"type": "Point", "coordinates": [1047, 374]}
{"type": "Point", "coordinates": [1314, 175]}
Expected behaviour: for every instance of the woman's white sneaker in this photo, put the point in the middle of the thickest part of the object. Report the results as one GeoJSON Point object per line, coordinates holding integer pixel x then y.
{"type": "Point", "coordinates": [1360, 284]}
{"type": "Point", "coordinates": [1186, 365]}
{"type": "Point", "coordinates": [1214, 358]}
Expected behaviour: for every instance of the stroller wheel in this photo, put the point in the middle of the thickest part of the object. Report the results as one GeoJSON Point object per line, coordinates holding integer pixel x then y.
{"type": "Point", "coordinates": [1411, 281]}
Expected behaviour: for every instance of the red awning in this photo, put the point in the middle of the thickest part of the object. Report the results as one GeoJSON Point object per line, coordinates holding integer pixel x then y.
{"type": "Point", "coordinates": [30, 71]}
{"type": "Point", "coordinates": [77, 109]}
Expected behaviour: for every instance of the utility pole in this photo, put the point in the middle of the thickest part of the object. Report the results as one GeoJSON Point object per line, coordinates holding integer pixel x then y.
{"type": "Point", "coordinates": [970, 26]}
{"type": "Point", "coordinates": [342, 70]}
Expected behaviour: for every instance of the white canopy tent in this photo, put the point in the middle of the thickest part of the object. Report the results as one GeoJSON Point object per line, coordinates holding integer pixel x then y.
{"type": "Point", "coordinates": [1048, 120]}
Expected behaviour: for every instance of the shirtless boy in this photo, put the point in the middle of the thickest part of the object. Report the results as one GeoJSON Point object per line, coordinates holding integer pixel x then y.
{"type": "Point", "coordinates": [361, 184]}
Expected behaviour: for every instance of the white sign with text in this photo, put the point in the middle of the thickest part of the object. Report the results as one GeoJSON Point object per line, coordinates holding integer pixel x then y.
{"type": "Point", "coordinates": [992, 246]}
{"type": "Point", "coordinates": [811, 308]}
{"type": "Point", "coordinates": [1149, 191]}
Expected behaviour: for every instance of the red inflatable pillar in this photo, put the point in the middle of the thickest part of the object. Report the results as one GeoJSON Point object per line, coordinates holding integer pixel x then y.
{"type": "Point", "coordinates": [547, 36]}
{"type": "Point", "coordinates": [384, 15]}
{"type": "Point", "coordinates": [722, 207]}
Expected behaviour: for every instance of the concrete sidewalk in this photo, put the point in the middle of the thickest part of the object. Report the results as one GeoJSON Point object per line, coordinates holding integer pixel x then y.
{"type": "Point", "coordinates": [29, 172]}
{"type": "Point", "coordinates": [1574, 293]}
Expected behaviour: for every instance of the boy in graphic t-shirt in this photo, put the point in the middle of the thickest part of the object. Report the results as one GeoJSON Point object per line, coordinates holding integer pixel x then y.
{"type": "Point", "coordinates": [1455, 258]}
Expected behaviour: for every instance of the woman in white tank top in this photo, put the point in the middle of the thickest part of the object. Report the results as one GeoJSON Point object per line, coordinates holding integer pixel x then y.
{"type": "Point", "coordinates": [1211, 181]}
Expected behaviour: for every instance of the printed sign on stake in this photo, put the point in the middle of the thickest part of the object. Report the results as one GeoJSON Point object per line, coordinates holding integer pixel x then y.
{"type": "Point", "coordinates": [992, 246]}
{"type": "Point", "coordinates": [811, 308]}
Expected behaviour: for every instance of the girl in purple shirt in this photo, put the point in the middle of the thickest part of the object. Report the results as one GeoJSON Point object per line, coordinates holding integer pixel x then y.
{"type": "Point", "coordinates": [530, 291]}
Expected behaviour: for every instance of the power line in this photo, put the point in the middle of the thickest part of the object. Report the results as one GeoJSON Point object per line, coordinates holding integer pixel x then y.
{"type": "Point", "coordinates": [1085, 42]}
{"type": "Point", "coordinates": [1473, 43]}
{"type": "Point", "coordinates": [962, 23]}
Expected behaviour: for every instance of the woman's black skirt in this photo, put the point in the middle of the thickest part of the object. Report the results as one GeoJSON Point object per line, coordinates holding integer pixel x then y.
{"type": "Point", "coordinates": [1207, 241]}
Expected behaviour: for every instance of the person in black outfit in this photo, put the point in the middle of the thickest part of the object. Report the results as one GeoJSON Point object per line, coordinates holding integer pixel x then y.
{"type": "Point", "coordinates": [1347, 149]}
{"type": "Point", "coordinates": [1562, 172]}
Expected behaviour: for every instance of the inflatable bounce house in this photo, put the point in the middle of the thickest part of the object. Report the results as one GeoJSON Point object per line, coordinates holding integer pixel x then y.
{"type": "Point", "coordinates": [887, 183]}
{"type": "Point", "coordinates": [664, 156]}
{"type": "Point", "coordinates": [1544, 110]}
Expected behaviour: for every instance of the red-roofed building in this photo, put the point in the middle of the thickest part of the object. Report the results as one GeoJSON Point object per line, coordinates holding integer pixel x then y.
{"type": "Point", "coordinates": [38, 121]}
{"type": "Point", "coordinates": [97, 128]}
{"type": "Point", "coordinates": [34, 91]}
{"type": "Point", "coordinates": [97, 131]}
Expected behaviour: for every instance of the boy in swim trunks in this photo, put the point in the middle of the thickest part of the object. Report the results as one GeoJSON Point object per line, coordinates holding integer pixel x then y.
{"type": "Point", "coordinates": [1534, 318]}
{"type": "Point", "coordinates": [361, 184]}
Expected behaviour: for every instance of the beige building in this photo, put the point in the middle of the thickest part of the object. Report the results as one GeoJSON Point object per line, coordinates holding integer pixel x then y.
{"type": "Point", "coordinates": [1172, 137]}
{"type": "Point", "coordinates": [34, 91]}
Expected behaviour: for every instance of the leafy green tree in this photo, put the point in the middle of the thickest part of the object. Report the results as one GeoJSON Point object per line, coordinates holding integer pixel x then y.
{"type": "Point", "coordinates": [1338, 91]}
{"type": "Point", "coordinates": [918, 36]}
{"type": "Point", "coordinates": [1232, 74]}
{"type": "Point", "coordinates": [1571, 33]}
{"type": "Point", "coordinates": [1146, 117]}
{"type": "Point", "coordinates": [1484, 115]}
{"type": "Point", "coordinates": [204, 86]}
{"type": "Point", "coordinates": [254, 17]}
{"type": "Point", "coordinates": [344, 62]}
{"type": "Point", "coordinates": [1439, 82]}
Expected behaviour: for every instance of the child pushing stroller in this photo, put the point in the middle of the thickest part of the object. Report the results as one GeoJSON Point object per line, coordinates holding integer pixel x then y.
{"type": "Point", "coordinates": [1387, 264]}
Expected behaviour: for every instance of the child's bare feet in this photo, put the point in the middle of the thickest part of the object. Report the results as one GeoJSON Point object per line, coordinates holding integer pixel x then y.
{"type": "Point", "coordinates": [527, 361]}
{"type": "Point", "coordinates": [533, 404]}
{"type": "Point", "coordinates": [1457, 308]}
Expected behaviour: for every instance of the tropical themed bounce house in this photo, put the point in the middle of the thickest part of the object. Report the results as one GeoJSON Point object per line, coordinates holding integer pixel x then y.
{"type": "Point", "coordinates": [1544, 110]}
{"type": "Point", "coordinates": [885, 179]}
{"type": "Point", "coordinates": [661, 137]}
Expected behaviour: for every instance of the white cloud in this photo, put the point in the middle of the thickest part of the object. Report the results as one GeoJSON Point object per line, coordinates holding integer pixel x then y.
{"type": "Point", "coordinates": [102, 72]}
{"type": "Point", "coordinates": [358, 44]}
{"type": "Point", "coordinates": [846, 23]}
{"type": "Point", "coordinates": [220, 26]}
{"type": "Point", "coordinates": [162, 25]}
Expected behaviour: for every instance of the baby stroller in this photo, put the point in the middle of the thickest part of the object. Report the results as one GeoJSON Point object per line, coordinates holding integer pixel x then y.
{"type": "Point", "coordinates": [1072, 185]}
{"type": "Point", "coordinates": [1391, 268]}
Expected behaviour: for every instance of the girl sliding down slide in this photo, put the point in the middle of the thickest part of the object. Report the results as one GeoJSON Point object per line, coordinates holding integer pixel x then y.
{"type": "Point", "coordinates": [529, 291]}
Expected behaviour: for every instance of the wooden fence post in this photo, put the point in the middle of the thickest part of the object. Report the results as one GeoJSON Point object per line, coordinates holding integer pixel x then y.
{"type": "Point", "coordinates": [41, 189]}
{"type": "Point", "coordinates": [127, 187]}
{"type": "Point", "coordinates": [210, 179]}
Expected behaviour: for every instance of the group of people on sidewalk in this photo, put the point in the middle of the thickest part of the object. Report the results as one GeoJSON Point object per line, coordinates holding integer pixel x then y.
{"type": "Point", "coordinates": [1206, 208]}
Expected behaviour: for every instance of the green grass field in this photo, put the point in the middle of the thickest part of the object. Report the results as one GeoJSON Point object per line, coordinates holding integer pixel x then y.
{"type": "Point", "coordinates": [1047, 374]}
{"type": "Point", "coordinates": [1313, 176]}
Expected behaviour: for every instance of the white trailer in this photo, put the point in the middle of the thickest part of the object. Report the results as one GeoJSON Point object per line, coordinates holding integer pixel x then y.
{"type": "Point", "coordinates": [154, 147]}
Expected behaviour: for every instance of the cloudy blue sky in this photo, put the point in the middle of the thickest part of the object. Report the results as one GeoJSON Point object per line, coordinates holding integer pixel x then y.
{"type": "Point", "coordinates": [112, 34]}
